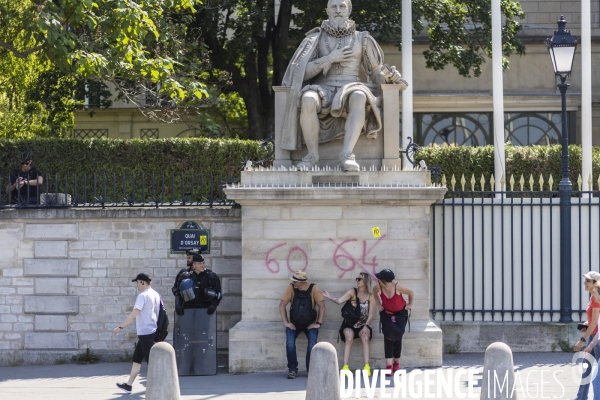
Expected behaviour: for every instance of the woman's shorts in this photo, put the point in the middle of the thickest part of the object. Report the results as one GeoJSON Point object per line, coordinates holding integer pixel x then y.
{"type": "Point", "coordinates": [356, 331]}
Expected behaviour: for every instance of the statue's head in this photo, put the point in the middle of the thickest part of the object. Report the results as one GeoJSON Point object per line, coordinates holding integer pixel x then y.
{"type": "Point", "coordinates": [339, 11]}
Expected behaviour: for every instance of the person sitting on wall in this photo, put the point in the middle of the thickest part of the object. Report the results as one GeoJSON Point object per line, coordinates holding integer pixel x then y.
{"type": "Point", "coordinates": [22, 187]}
{"type": "Point", "coordinates": [197, 287]}
{"type": "Point", "coordinates": [303, 297]}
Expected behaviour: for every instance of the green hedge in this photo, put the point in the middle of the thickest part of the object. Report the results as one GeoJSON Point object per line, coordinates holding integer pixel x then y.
{"type": "Point", "coordinates": [67, 158]}
{"type": "Point", "coordinates": [520, 160]}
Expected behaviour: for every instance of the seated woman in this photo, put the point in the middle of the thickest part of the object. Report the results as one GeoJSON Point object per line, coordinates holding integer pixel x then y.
{"type": "Point", "coordinates": [393, 311]}
{"type": "Point", "coordinates": [362, 328]}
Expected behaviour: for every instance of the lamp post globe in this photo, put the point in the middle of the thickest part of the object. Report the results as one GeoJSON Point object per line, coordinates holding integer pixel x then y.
{"type": "Point", "coordinates": [562, 46]}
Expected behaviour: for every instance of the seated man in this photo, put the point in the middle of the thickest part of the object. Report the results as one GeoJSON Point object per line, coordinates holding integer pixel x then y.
{"type": "Point", "coordinates": [324, 76]}
{"type": "Point", "coordinates": [201, 287]}
{"type": "Point", "coordinates": [303, 318]}
{"type": "Point", "coordinates": [22, 187]}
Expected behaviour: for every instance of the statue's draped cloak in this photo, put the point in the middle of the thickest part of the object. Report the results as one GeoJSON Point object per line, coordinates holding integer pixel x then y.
{"type": "Point", "coordinates": [331, 119]}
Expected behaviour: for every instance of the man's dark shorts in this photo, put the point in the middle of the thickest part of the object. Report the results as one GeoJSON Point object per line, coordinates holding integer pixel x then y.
{"type": "Point", "coordinates": [142, 349]}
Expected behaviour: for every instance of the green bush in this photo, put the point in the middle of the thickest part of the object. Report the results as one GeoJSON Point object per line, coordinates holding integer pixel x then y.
{"type": "Point", "coordinates": [520, 160]}
{"type": "Point", "coordinates": [115, 162]}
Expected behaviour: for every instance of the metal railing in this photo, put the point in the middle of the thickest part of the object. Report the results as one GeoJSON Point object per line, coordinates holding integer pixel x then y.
{"type": "Point", "coordinates": [119, 190]}
{"type": "Point", "coordinates": [496, 255]}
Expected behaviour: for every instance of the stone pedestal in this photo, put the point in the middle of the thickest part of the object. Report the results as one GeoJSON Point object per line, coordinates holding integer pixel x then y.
{"type": "Point", "coordinates": [323, 222]}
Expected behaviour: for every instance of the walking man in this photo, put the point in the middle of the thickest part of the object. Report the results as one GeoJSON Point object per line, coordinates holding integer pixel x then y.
{"type": "Point", "coordinates": [145, 314]}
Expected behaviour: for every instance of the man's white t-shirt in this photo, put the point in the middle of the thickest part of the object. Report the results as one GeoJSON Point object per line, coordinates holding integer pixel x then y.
{"type": "Point", "coordinates": [148, 302]}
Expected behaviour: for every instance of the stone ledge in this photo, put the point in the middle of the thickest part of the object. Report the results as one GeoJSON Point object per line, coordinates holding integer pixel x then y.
{"type": "Point", "coordinates": [421, 196]}
{"type": "Point", "coordinates": [97, 213]}
{"type": "Point", "coordinates": [260, 346]}
{"type": "Point", "coordinates": [51, 341]}
{"type": "Point", "coordinates": [475, 337]}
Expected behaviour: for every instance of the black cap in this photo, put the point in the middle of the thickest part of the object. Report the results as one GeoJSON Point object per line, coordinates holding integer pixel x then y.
{"type": "Point", "coordinates": [192, 251]}
{"type": "Point", "coordinates": [386, 275]}
{"type": "Point", "coordinates": [26, 156]}
{"type": "Point", "coordinates": [142, 277]}
{"type": "Point", "coordinates": [197, 257]}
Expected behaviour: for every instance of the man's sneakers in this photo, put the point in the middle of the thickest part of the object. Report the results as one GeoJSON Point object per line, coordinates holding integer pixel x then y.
{"type": "Point", "coordinates": [124, 387]}
{"type": "Point", "coordinates": [396, 367]}
{"type": "Point", "coordinates": [291, 374]}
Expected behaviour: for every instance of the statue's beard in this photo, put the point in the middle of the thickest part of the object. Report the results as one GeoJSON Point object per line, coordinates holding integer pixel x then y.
{"type": "Point", "coordinates": [338, 22]}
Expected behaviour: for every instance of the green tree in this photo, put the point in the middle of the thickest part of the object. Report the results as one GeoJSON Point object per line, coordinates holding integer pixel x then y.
{"type": "Point", "coordinates": [245, 40]}
{"type": "Point", "coordinates": [140, 47]}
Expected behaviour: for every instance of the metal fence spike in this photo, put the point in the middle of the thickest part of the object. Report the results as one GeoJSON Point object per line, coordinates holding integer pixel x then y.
{"type": "Point", "coordinates": [531, 181]}
{"type": "Point", "coordinates": [482, 182]}
{"type": "Point", "coordinates": [463, 181]}
{"type": "Point", "coordinates": [589, 182]}
{"type": "Point", "coordinates": [512, 182]}
{"type": "Point", "coordinates": [453, 182]}
{"type": "Point", "coordinates": [473, 182]}
{"type": "Point", "coordinates": [579, 182]}
{"type": "Point", "coordinates": [522, 182]}
{"type": "Point", "coordinates": [541, 182]}
{"type": "Point", "coordinates": [492, 183]}
{"type": "Point", "coordinates": [550, 182]}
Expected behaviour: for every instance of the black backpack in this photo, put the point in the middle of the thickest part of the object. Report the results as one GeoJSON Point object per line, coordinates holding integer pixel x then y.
{"type": "Point", "coordinates": [162, 325]}
{"type": "Point", "coordinates": [302, 314]}
{"type": "Point", "coordinates": [352, 314]}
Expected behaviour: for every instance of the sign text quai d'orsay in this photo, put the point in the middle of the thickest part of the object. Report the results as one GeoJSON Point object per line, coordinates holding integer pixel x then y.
{"type": "Point", "coordinates": [190, 236]}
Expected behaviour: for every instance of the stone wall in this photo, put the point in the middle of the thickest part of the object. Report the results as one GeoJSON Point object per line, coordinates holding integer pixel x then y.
{"type": "Point", "coordinates": [65, 276]}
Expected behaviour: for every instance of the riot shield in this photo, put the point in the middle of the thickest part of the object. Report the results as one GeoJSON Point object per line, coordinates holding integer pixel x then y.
{"type": "Point", "coordinates": [195, 342]}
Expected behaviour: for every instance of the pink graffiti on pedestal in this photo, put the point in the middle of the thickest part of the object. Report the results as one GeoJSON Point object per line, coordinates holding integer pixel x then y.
{"type": "Point", "coordinates": [368, 266]}
{"type": "Point", "coordinates": [273, 265]}
{"type": "Point", "coordinates": [364, 261]}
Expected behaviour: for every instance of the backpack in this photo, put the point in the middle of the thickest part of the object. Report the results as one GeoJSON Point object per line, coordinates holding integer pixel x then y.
{"type": "Point", "coordinates": [162, 325]}
{"type": "Point", "coordinates": [302, 314]}
{"type": "Point", "coordinates": [350, 313]}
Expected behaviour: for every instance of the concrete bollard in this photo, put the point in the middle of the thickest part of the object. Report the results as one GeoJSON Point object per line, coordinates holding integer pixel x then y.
{"type": "Point", "coordinates": [162, 382]}
{"type": "Point", "coordinates": [498, 373]}
{"type": "Point", "coordinates": [324, 375]}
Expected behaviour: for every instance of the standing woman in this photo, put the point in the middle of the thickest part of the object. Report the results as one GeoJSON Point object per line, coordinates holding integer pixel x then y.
{"type": "Point", "coordinates": [393, 311]}
{"type": "Point", "coordinates": [362, 328]}
{"type": "Point", "coordinates": [587, 334]}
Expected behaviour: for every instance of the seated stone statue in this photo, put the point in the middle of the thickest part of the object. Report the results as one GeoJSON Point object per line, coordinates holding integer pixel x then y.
{"type": "Point", "coordinates": [326, 89]}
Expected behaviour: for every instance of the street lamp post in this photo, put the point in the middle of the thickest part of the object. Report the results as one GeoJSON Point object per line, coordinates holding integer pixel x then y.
{"type": "Point", "coordinates": [562, 48]}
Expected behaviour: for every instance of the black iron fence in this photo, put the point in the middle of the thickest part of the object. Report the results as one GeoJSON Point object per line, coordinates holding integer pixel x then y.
{"type": "Point", "coordinates": [496, 255]}
{"type": "Point", "coordinates": [116, 190]}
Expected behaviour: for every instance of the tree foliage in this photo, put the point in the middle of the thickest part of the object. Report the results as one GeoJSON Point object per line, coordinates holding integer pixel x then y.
{"type": "Point", "coordinates": [141, 48]}
{"type": "Point", "coordinates": [245, 39]}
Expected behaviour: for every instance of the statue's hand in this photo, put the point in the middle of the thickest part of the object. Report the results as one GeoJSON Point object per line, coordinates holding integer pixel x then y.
{"type": "Point", "coordinates": [395, 77]}
{"type": "Point", "coordinates": [340, 55]}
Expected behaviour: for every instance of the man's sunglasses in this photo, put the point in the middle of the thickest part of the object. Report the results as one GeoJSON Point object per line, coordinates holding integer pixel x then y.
{"type": "Point", "coordinates": [25, 162]}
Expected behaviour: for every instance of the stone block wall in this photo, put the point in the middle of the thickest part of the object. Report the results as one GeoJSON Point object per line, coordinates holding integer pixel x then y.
{"type": "Point", "coordinates": [65, 276]}
{"type": "Point", "coordinates": [540, 14]}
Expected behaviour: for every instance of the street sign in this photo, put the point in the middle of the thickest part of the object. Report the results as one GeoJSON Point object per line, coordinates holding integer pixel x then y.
{"type": "Point", "coordinates": [190, 236]}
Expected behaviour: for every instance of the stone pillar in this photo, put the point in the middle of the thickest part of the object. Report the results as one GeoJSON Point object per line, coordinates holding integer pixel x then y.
{"type": "Point", "coordinates": [324, 223]}
{"type": "Point", "coordinates": [391, 126]}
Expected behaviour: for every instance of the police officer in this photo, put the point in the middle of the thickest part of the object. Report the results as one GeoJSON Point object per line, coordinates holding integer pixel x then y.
{"type": "Point", "coordinates": [197, 286]}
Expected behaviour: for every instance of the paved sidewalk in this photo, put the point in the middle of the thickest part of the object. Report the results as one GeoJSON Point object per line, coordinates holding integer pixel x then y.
{"type": "Point", "coordinates": [97, 382]}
